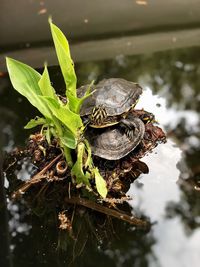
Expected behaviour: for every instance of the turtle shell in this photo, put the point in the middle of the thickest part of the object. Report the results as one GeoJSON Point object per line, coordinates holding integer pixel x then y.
{"type": "Point", "coordinates": [112, 143]}
{"type": "Point", "coordinates": [116, 95]}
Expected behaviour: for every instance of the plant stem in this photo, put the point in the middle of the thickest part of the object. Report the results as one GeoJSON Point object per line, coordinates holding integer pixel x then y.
{"type": "Point", "coordinates": [81, 148]}
{"type": "Point", "coordinates": [89, 162]}
{"type": "Point", "coordinates": [77, 169]}
{"type": "Point", "coordinates": [68, 157]}
{"type": "Point", "coordinates": [67, 152]}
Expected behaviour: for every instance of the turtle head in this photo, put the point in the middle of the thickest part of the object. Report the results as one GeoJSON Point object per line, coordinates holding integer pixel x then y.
{"type": "Point", "coordinates": [148, 117]}
{"type": "Point", "coordinates": [98, 115]}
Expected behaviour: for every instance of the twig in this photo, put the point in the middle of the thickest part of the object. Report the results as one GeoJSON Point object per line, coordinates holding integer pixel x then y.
{"type": "Point", "coordinates": [36, 178]}
{"type": "Point", "coordinates": [69, 189]}
{"type": "Point", "coordinates": [120, 215]}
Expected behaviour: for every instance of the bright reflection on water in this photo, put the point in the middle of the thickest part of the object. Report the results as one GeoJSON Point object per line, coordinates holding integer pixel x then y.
{"type": "Point", "coordinates": [152, 193]}
{"type": "Point", "coordinates": [155, 189]}
{"type": "Point", "coordinates": [173, 246]}
{"type": "Point", "coordinates": [167, 116]}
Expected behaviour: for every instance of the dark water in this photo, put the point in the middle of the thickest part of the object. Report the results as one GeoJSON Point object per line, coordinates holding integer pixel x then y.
{"type": "Point", "coordinates": [169, 195]}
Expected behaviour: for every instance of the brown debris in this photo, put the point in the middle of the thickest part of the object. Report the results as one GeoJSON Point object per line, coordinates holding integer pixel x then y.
{"type": "Point", "coordinates": [119, 175]}
{"type": "Point", "coordinates": [65, 223]}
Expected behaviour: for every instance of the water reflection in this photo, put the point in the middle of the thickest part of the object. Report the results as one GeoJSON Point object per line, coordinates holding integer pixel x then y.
{"type": "Point", "coordinates": [168, 195]}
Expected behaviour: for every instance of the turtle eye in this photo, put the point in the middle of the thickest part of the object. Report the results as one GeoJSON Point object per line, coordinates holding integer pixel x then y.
{"type": "Point", "coordinates": [135, 103]}
{"type": "Point", "coordinates": [148, 118]}
{"type": "Point", "coordinates": [145, 119]}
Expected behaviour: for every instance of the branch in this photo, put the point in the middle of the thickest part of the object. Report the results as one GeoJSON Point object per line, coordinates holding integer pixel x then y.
{"type": "Point", "coordinates": [97, 207]}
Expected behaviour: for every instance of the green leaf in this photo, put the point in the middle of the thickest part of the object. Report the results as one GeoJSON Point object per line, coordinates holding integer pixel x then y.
{"type": "Point", "coordinates": [100, 183]}
{"type": "Point", "coordinates": [68, 157]}
{"type": "Point", "coordinates": [71, 120]}
{"type": "Point", "coordinates": [35, 122]}
{"type": "Point", "coordinates": [48, 135]}
{"type": "Point", "coordinates": [75, 103]}
{"type": "Point", "coordinates": [25, 80]}
{"type": "Point", "coordinates": [45, 85]}
{"type": "Point", "coordinates": [88, 91]}
{"type": "Point", "coordinates": [77, 169]}
{"type": "Point", "coordinates": [64, 58]}
{"type": "Point", "coordinates": [88, 162]}
{"type": "Point", "coordinates": [68, 139]}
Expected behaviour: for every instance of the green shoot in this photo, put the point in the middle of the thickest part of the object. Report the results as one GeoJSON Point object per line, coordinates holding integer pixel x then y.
{"type": "Point", "coordinates": [60, 120]}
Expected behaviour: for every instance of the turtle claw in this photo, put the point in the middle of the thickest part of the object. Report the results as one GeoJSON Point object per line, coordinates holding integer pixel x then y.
{"type": "Point", "coordinates": [130, 133]}
{"type": "Point", "coordinates": [129, 126]}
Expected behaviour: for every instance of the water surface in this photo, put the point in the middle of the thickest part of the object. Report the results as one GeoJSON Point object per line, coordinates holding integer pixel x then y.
{"type": "Point", "coordinates": [168, 195]}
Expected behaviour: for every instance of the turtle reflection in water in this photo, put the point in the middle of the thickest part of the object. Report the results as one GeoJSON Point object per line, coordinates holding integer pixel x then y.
{"type": "Point", "coordinates": [110, 102]}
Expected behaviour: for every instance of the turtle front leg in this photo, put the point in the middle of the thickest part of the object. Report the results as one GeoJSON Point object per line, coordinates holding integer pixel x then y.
{"type": "Point", "coordinates": [86, 121]}
{"type": "Point", "coordinates": [132, 127]}
{"type": "Point", "coordinates": [129, 128]}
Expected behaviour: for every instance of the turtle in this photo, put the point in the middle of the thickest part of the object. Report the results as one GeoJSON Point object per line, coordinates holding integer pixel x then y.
{"type": "Point", "coordinates": [110, 102]}
{"type": "Point", "coordinates": [113, 143]}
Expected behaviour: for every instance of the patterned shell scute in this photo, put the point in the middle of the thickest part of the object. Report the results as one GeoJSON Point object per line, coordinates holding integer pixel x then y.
{"type": "Point", "coordinates": [116, 95]}
{"type": "Point", "coordinates": [113, 144]}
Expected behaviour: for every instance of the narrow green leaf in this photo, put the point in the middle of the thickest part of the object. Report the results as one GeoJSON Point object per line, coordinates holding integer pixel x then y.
{"type": "Point", "coordinates": [71, 120]}
{"type": "Point", "coordinates": [35, 122]}
{"type": "Point", "coordinates": [25, 80]}
{"type": "Point", "coordinates": [77, 169]}
{"type": "Point", "coordinates": [68, 139]}
{"type": "Point", "coordinates": [88, 91]}
{"type": "Point", "coordinates": [100, 183]}
{"type": "Point", "coordinates": [68, 157]}
{"type": "Point", "coordinates": [48, 135]}
{"type": "Point", "coordinates": [88, 162]}
{"type": "Point", "coordinates": [75, 103]}
{"type": "Point", "coordinates": [64, 58]}
{"type": "Point", "coordinates": [45, 85]}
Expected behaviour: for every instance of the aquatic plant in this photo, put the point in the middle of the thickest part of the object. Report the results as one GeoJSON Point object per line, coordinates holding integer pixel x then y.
{"type": "Point", "coordinates": [60, 120]}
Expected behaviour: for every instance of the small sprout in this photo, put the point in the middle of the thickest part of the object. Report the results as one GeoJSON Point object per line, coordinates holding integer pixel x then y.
{"type": "Point", "coordinates": [43, 150]}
